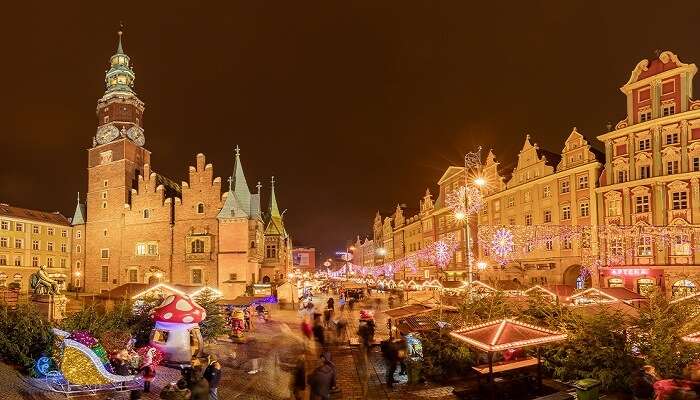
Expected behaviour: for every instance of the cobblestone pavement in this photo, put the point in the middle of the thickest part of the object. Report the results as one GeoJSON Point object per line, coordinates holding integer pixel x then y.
{"type": "Point", "coordinates": [275, 345]}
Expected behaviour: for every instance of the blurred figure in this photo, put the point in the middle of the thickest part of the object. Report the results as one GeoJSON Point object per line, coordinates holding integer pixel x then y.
{"type": "Point", "coordinates": [322, 379]}
{"type": "Point", "coordinates": [341, 329]}
{"type": "Point", "coordinates": [199, 387]}
{"type": "Point", "coordinates": [299, 378]}
{"type": "Point", "coordinates": [319, 333]}
{"type": "Point", "coordinates": [341, 302]}
{"type": "Point", "coordinates": [148, 369]}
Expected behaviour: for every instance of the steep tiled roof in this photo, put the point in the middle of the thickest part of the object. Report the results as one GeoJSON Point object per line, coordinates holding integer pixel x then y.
{"type": "Point", "coordinates": [33, 215]}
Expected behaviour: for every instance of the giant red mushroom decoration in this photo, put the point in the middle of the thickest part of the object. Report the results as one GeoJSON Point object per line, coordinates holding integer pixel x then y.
{"type": "Point", "coordinates": [176, 333]}
{"type": "Point", "coordinates": [179, 309]}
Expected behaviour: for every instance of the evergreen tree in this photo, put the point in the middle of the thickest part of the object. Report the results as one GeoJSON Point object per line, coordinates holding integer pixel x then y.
{"type": "Point", "coordinates": [214, 325]}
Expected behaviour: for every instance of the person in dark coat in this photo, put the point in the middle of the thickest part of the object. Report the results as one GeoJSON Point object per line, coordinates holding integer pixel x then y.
{"type": "Point", "coordinates": [391, 361]}
{"type": "Point", "coordinates": [198, 385]}
{"type": "Point", "coordinates": [319, 332]}
{"type": "Point", "coordinates": [213, 376]}
{"type": "Point", "coordinates": [322, 379]}
{"type": "Point", "coordinates": [299, 379]}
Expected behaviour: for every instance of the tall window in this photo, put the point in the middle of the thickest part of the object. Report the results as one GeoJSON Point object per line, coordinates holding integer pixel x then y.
{"type": "Point", "coordinates": [547, 216]}
{"type": "Point", "coordinates": [645, 116]}
{"type": "Point", "coordinates": [680, 245]}
{"type": "Point", "coordinates": [104, 253]}
{"type": "Point", "coordinates": [511, 201]}
{"type": "Point", "coordinates": [564, 187]}
{"type": "Point", "coordinates": [49, 246]}
{"type": "Point", "coordinates": [198, 246]}
{"type": "Point", "coordinates": [146, 213]}
{"type": "Point", "coordinates": [19, 227]}
{"type": "Point", "coordinates": [566, 213]}
{"type": "Point", "coordinates": [35, 245]}
{"type": "Point", "coordinates": [672, 138]}
{"type": "Point", "coordinates": [548, 244]}
{"type": "Point", "coordinates": [546, 191]}
{"type": "Point", "coordinates": [583, 182]}
{"type": "Point", "coordinates": [616, 247]}
{"type": "Point", "coordinates": [19, 244]}
{"type": "Point", "coordinates": [621, 176]}
{"type": "Point", "coordinates": [50, 231]}
{"type": "Point", "coordinates": [271, 251]}
{"type": "Point", "coordinates": [3, 259]}
{"type": "Point", "coordinates": [583, 208]}
{"type": "Point", "coordinates": [35, 229]}
{"type": "Point", "coordinates": [645, 171]}
{"type": "Point", "coordinates": [644, 144]}
{"type": "Point", "coordinates": [35, 261]}
{"type": "Point", "coordinates": [528, 219]}
{"type": "Point", "coordinates": [197, 276]}
{"type": "Point", "coordinates": [696, 164]}
{"type": "Point", "coordinates": [200, 208]}
{"type": "Point", "coordinates": [104, 276]}
{"type": "Point", "coordinates": [5, 225]}
{"type": "Point", "coordinates": [672, 167]}
{"type": "Point", "coordinates": [668, 109]}
{"type": "Point", "coordinates": [644, 246]}
{"type": "Point", "coordinates": [566, 243]}
{"type": "Point", "coordinates": [680, 200]}
{"type": "Point", "coordinates": [64, 248]}
{"type": "Point", "coordinates": [641, 204]}
{"type": "Point", "coordinates": [613, 207]}
{"type": "Point", "coordinates": [49, 262]}
{"type": "Point", "coordinates": [4, 242]}
{"type": "Point", "coordinates": [18, 261]}
{"type": "Point", "coordinates": [133, 275]}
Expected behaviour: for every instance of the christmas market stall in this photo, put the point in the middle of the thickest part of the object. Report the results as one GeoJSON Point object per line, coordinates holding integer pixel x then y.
{"type": "Point", "coordinates": [607, 295]}
{"type": "Point", "coordinates": [176, 333]}
{"type": "Point", "coordinates": [398, 314]}
{"type": "Point", "coordinates": [555, 293]}
{"type": "Point", "coordinates": [503, 342]}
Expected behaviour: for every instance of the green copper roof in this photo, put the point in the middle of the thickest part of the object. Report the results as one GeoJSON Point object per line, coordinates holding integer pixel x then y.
{"type": "Point", "coordinates": [232, 207]}
{"type": "Point", "coordinates": [120, 77]}
{"type": "Point", "coordinates": [240, 185]}
{"type": "Point", "coordinates": [275, 224]}
{"type": "Point", "coordinates": [79, 215]}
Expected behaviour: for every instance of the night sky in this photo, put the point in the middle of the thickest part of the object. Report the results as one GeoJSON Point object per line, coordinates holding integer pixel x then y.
{"type": "Point", "coordinates": [354, 106]}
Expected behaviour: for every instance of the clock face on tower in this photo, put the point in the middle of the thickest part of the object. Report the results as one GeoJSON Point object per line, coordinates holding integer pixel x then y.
{"type": "Point", "coordinates": [106, 134]}
{"type": "Point", "coordinates": [135, 133]}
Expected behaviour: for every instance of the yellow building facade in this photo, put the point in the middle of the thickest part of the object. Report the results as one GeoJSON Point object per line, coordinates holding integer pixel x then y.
{"type": "Point", "coordinates": [30, 239]}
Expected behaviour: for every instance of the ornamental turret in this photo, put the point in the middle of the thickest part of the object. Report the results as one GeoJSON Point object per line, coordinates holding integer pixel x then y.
{"type": "Point", "coordinates": [119, 111]}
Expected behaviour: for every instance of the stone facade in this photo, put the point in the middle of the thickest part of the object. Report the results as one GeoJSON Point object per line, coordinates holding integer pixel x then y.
{"type": "Point", "coordinates": [140, 226]}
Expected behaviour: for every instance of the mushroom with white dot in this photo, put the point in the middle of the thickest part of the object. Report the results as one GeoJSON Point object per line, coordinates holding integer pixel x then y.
{"type": "Point", "coordinates": [176, 332]}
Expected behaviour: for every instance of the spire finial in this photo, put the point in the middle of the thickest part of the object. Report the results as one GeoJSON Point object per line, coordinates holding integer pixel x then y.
{"type": "Point", "coordinates": [78, 197]}
{"type": "Point", "coordinates": [238, 151]}
{"type": "Point", "coordinates": [120, 50]}
{"type": "Point", "coordinates": [272, 181]}
{"type": "Point", "coordinates": [259, 186]}
{"type": "Point", "coordinates": [230, 183]}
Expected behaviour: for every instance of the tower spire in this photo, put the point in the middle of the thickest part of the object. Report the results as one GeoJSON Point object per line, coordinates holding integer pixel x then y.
{"type": "Point", "coordinates": [120, 49]}
{"type": "Point", "coordinates": [274, 209]}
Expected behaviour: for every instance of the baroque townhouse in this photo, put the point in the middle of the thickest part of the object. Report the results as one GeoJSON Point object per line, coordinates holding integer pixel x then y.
{"type": "Point", "coordinates": [543, 192]}
{"type": "Point", "coordinates": [651, 181]}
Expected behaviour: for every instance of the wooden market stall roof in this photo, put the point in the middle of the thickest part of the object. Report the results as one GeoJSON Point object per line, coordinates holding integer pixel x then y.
{"type": "Point", "coordinates": [607, 295]}
{"type": "Point", "coordinates": [407, 311]}
{"type": "Point", "coordinates": [692, 338]}
{"type": "Point", "coordinates": [558, 292]}
{"type": "Point", "coordinates": [417, 323]}
{"type": "Point", "coordinates": [591, 309]}
{"type": "Point", "coordinates": [353, 285]}
{"type": "Point", "coordinates": [505, 334]}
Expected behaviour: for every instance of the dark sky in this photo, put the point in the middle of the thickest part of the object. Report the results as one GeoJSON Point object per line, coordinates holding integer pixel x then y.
{"type": "Point", "coordinates": [353, 105]}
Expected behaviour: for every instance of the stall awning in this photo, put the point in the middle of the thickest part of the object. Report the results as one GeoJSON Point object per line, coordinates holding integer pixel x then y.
{"type": "Point", "coordinates": [591, 309]}
{"type": "Point", "coordinates": [560, 292]}
{"type": "Point", "coordinates": [506, 334]}
{"type": "Point", "coordinates": [607, 295]}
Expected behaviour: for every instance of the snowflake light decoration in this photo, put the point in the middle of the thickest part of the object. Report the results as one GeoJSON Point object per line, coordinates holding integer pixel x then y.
{"type": "Point", "coordinates": [502, 245]}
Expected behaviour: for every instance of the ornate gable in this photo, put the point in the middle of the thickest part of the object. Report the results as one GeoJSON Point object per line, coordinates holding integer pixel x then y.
{"type": "Point", "coordinates": [576, 151]}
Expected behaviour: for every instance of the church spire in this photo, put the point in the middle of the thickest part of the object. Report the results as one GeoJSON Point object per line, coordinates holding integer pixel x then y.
{"type": "Point", "coordinates": [79, 215]}
{"type": "Point", "coordinates": [240, 185]}
{"type": "Point", "coordinates": [274, 210]}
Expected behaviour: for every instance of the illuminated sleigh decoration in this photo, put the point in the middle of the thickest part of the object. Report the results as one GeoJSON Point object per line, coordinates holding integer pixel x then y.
{"type": "Point", "coordinates": [80, 372]}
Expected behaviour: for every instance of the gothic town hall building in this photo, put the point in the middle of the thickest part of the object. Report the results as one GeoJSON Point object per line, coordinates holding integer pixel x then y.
{"type": "Point", "coordinates": [138, 226]}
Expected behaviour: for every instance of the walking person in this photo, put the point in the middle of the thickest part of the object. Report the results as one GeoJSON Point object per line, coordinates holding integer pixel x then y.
{"type": "Point", "coordinates": [299, 379]}
{"type": "Point", "coordinates": [319, 333]}
{"type": "Point", "coordinates": [213, 376]}
{"type": "Point", "coordinates": [341, 302]}
{"type": "Point", "coordinates": [322, 379]}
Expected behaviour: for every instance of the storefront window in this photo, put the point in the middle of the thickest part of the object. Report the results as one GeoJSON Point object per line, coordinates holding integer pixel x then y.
{"type": "Point", "coordinates": [645, 286]}
{"type": "Point", "coordinates": [682, 288]}
{"type": "Point", "coordinates": [616, 282]}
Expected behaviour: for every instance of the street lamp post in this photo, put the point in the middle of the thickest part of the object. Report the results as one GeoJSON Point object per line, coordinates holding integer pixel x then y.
{"type": "Point", "coordinates": [472, 168]}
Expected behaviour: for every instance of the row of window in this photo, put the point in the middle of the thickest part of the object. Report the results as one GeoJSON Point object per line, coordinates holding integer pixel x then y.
{"type": "Point", "coordinates": [583, 211]}
{"type": "Point", "coordinates": [679, 201]}
{"type": "Point", "coordinates": [36, 245]}
{"type": "Point", "coordinates": [17, 261]}
{"type": "Point", "coordinates": [672, 167]}
{"type": "Point", "coordinates": [666, 110]}
{"type": "Point", "coordinates": [680, 246]}
{"type": "Point", "coordinates": [36, 229]}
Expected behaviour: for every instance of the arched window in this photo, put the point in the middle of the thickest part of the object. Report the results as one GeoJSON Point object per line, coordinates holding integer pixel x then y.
{"type": "Point", "coordinates": [146, 213]}
{"type": "Point", "coordinates": [682, 288]}
{"type": "Point", "coordinates": [198, 246]}
{"type": "Point", "coordinates": [252, 244]}
{"type": "Point", "coordinates": [200, 208]}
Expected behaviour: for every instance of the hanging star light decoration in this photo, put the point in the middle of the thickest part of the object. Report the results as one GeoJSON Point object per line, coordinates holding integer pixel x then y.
{"type": "Point", "coordinates": [502, 245]}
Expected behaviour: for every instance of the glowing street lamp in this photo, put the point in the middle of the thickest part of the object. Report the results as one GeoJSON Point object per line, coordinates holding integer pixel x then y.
{"type": "Point", "coordinates": [480, 181]}
{"type": "Point", "coordinates": [482, 265]}
{"type": "Point", "coordinates": [381, 251]}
